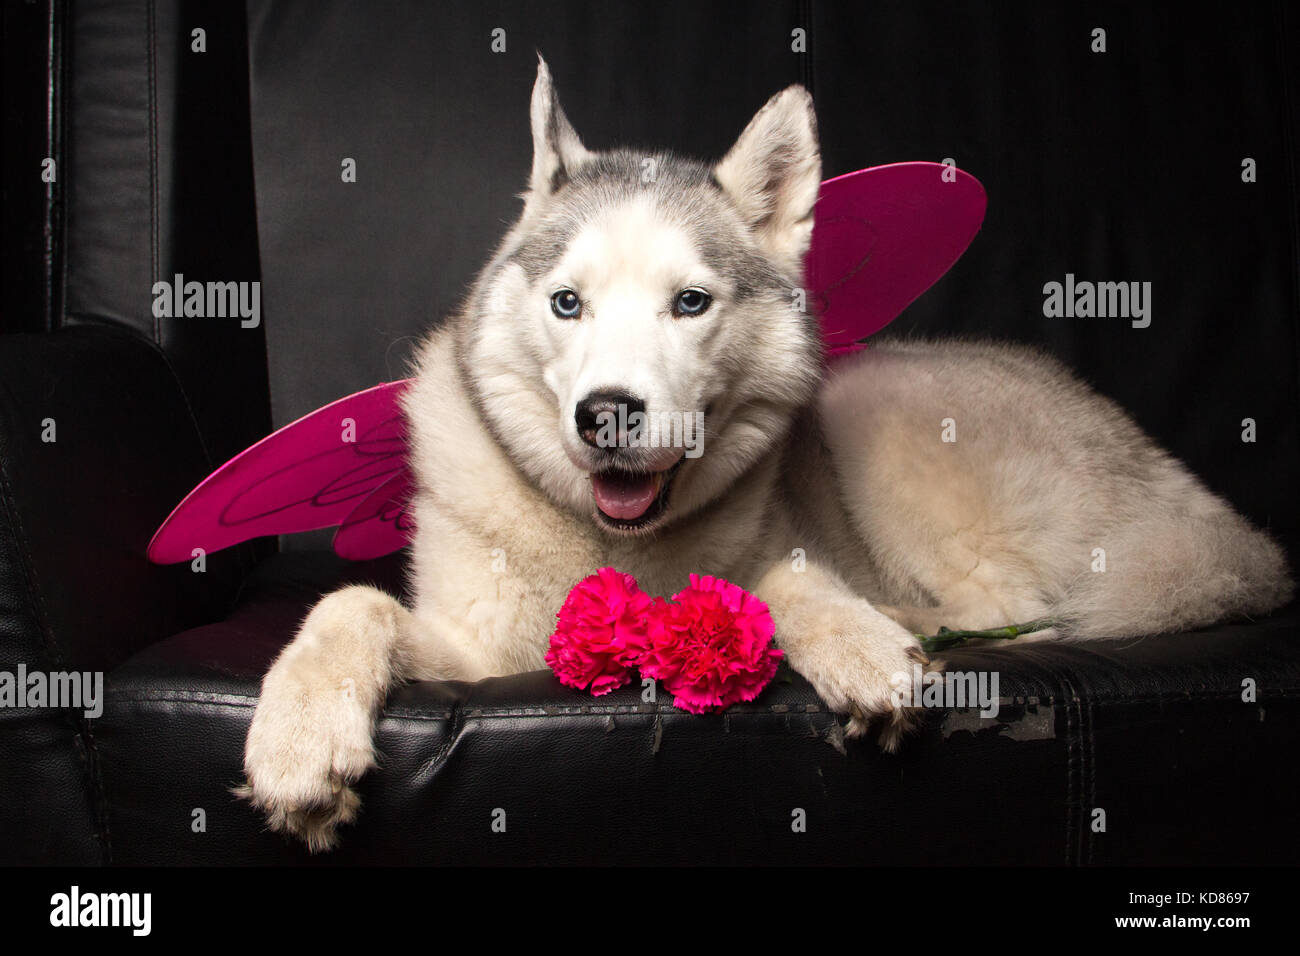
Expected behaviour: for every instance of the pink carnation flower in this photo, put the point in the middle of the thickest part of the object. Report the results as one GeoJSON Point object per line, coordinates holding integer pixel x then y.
{"type": "Point", "coordinates": [713, 647]}
{"type": "Point", "coordinates": [600, 632]}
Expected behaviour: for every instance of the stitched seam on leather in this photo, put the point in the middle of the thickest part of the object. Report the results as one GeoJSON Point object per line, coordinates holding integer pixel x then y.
{"type": "Point", "coordinates": [51, 237]}
{"type": "Point", "coordinates": [1065, 699]}
{"type": "Point", "coordinates": [1049, 700]}
{"type": "Point", "coordinates": [153, 158]}
{"type": "Point", "coordinates": [601, 710]}
{"type": "Point", "coordinates": [243, 701]}
{"type": "Point", "coordinates": [67, 64]}
{"type": "Point", "coordinates": [184, 697]}
{"type": "Point", "coordinates": [596, 710]}
{"type": "Point", "coordinates": [1087, 766]}
{"type": "Point", "coordinates": [1090, 776]}
{"type": "Point", "coordinates": [39, 612]}
{"type": "Point", "coordinates": [1194, 697]}
{"type": "Point", "coordinates": [1074, 800]}
{"type": "Point", "coordinates": [443, 716]}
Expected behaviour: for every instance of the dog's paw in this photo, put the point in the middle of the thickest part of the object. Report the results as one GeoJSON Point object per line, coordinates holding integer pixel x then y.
{"type": "Point", "coordinates": [307, 745]}
{"type": "Point", "coordinates": [856, 665]}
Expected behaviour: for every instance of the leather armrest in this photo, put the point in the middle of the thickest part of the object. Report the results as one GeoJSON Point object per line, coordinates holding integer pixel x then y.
{"type": "Point", "coordinates": [97, 444]}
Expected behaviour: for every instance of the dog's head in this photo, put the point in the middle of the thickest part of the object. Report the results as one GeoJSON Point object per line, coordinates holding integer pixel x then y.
{"type": "Point", "coordinates": [638, 342]}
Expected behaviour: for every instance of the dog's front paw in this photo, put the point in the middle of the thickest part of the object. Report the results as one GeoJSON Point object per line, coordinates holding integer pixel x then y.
{"type": "Point", "coordinates": [308, 743]}
{"type": "Point", "coordinates": [856, 663]}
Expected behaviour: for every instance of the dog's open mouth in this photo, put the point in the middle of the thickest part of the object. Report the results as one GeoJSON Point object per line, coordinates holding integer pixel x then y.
{"type": "Point", "coordinates": [628, 499]}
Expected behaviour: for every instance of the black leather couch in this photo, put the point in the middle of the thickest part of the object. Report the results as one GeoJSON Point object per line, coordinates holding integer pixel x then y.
{"type": "Point", "coordinates": [224, 164]}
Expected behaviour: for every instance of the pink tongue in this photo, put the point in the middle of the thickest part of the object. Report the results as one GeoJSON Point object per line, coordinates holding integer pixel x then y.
{"type": "Point", "coordinates": [626, 497]}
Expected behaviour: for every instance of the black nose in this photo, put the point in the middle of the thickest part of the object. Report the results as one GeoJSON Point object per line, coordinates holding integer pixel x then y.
{"type": "Point", "coordinates": [590, 415]}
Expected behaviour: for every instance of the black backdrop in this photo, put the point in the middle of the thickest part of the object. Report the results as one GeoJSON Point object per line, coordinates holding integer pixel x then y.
{"type": "Point", "coordinates": [1121, 166]}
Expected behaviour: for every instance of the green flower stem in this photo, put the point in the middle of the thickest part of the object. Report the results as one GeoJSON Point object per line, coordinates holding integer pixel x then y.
{"type": "Point", "coordinates": [948, 638]}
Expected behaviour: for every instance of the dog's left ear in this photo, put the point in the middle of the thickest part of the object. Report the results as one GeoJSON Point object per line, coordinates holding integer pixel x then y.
{"type": "Point", "coordinates": [557, 151]}
{"type": "Point", "coordinates": [773, 174]}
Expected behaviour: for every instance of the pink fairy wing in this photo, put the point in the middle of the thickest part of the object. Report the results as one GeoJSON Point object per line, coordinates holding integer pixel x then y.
{"type": "Point", "coordinates": [379, 525]}
{"type": "Point", "coordinates": [304, 476]}
{"type": "Point", "coordinates": [881, 237]}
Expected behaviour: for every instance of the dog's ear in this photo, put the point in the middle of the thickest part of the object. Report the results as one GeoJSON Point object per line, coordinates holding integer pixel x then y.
{"type": "Point", "coordinates": [557, 151]}
{"type": "Point", "coordinates": [773, 173]}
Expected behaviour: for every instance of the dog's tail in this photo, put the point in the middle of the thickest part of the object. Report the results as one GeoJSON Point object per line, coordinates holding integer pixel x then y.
{"type": "Point", "coordinates": [1165, 574]}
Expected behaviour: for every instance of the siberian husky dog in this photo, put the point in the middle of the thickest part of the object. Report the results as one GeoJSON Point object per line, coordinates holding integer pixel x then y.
{"type": "Point", "coordinates": [646, 282]}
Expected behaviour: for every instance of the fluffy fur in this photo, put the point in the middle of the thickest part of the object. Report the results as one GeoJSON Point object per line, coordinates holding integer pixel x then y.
{"type": "Point", "coordinates": [833, 497]}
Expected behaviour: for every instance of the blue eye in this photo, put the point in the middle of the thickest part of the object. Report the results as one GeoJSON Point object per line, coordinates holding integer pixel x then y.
{"type": "Point", "coordinates": [692, 302]}
{"type": "Point", "coordinates": [566, 304]}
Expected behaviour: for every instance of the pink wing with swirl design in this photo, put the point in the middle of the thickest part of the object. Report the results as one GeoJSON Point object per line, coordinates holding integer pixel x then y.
{"type": "Point", "coordinates": [328, 468]}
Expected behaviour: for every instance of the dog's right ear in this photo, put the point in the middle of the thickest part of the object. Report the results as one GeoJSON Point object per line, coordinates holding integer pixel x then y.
{"type": "Point", "coordinates": [773, 175]}
{"type": "Point", "coordinates": [557, 151]}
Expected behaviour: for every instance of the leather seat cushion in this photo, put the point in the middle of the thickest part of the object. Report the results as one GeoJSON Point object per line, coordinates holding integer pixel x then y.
{"type": "Point", "coordinates": [1152, 731]}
